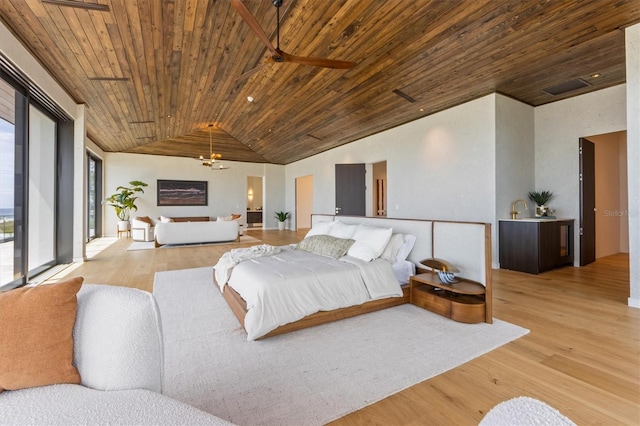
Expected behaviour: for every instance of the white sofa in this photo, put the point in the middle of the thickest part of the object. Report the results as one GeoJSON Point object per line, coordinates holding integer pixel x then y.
{"type": "Point", "coordinates": [196, 232]}
{"type": "Point", "coordinates": [118, 351]}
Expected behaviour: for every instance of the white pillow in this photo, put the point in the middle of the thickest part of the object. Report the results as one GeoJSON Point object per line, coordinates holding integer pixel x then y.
{"type": "Point", "coordinates": [320, 228]}
{"type": "Point", "coordinates": [390, 251]}
{"type": "Point", "coordinates": [165, 219]}
{"type": "Point", "coordinates": [224, 218]}
{"type": "Point", "coordinates": [370, 242]}
{"type": "Point", "coordinates": [405, 249]}
{"type": "Point", "coordinates": [341, 230]}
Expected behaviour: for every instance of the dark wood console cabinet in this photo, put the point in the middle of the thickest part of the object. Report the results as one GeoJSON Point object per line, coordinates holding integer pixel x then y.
{"type": "Point", "coordinates": [535, 246]}
{"type": "Point", "coordinates": [254, 217]}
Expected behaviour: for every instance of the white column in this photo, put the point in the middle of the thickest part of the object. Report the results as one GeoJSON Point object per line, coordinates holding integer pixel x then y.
{"type": "Point", "coordinates": [79, 185]}
{"type": "Point", "coordinates": [632, 37]}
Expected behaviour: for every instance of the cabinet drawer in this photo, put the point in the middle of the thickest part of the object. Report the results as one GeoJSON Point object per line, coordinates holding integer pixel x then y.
{"type": "Point", "coordinates": [469, 311]}
{"type": "Point", "coordinates": [430, 301]}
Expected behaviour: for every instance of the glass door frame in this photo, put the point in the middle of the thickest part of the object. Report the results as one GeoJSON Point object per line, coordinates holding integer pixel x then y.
{"type": "Point", "coordinates": [97, 197]}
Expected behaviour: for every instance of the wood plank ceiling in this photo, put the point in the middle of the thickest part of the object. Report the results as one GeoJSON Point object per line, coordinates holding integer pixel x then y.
{"type": "Point", "coordinates": [155, 73]}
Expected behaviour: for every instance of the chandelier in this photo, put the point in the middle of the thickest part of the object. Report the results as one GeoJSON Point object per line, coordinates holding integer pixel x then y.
{"type": "Point", "coordinates": [211, 161]}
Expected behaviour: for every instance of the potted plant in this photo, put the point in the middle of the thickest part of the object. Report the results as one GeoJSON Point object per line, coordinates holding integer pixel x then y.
{"type": "Point", "coordinates": [282, 217]}
{"type": "Point", "coordinates": [541, 198]}
{"type": "Point", "coordinates": [124, 200]}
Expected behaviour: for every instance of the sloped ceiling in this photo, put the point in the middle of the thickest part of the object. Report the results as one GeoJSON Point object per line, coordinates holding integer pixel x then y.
{"type": "Point", "coordinates": [155, 73]}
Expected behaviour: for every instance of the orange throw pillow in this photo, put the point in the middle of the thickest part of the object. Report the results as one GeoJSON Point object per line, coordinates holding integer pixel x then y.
{"type": "Point", "coordinates": [36, 335]}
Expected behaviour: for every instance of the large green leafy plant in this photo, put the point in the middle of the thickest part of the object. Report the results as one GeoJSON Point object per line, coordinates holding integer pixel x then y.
{"type": "Point", "coordinates": [124, 200]}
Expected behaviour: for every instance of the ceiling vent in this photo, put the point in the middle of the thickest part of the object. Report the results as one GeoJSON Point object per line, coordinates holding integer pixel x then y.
{"type": "Point", "coordinates": [566, 87]}
{"type": "Point", "coordinates": [78, 4]}
{"type": "Point", "coordinates": [404, 95]}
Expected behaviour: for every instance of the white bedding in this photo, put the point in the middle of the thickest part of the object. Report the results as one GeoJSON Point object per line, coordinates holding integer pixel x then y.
{"type": "Point", "coordinates": [403, 271]}
{"type": "Point", "coordinates": [292, 284]}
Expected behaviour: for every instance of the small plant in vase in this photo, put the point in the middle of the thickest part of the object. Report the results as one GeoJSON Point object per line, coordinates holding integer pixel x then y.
{"type": "Point", "coordinates": [282, 218]}
{"type": "Point", "coordinates": [541, 198]}
{"type": "Point", "coordinates": [124, 200]}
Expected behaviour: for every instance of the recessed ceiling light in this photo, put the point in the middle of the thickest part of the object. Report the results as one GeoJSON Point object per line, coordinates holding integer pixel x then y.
{"type": "Point", "coordinates": [250, 98]}
{"type": "Point", "coordinates": [596, 75]}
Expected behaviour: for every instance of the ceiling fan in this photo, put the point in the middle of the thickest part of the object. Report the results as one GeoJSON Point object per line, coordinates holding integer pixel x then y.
{"type": "Point", "coordinates": [211, 161]}
{"type": "Point", "coordinates": [277, 55]}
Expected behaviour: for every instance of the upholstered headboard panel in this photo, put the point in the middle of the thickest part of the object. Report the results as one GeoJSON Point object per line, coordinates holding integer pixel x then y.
{"type": "Point", "coordinates": [421, 229]}
{"type": "Point", "coordinates": [465, 244]}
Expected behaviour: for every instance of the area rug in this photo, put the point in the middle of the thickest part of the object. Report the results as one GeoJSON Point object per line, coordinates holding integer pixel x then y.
{"type": "Point", "coordinates": [141, 245]}
{"type": "Point", "coordinates": [524, 411]}
{"type": "Point", "coordinates": [308, 377]}
{"type": "Point", "coordinates": [149, 245]}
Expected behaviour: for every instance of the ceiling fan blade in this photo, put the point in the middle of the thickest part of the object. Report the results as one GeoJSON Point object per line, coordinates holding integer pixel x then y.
{"type": "Point", "coordinates": [252, 71]}
{"type": "Point", "coordinates": [239, 6]}
{"type": "Point", "coordinates": [316, 62]}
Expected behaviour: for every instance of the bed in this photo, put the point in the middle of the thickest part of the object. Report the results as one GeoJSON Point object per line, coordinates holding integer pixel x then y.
{"type": "Point", "coordinates": [277, 290]}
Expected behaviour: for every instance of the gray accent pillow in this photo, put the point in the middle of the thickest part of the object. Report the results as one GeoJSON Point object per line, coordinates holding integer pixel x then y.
{"type": "Point", "coordinates": [326, 245]}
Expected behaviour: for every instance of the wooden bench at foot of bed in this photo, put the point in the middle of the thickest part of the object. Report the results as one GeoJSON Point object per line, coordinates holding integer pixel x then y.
{"type": "Point", "coordinates": [239, 308]}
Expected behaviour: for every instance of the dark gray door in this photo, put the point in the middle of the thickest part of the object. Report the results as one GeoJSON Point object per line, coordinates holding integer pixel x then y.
{"type": "Point", "coordinates": [350, 189]}
{"type": "Point", "coordinates": [587, 202]}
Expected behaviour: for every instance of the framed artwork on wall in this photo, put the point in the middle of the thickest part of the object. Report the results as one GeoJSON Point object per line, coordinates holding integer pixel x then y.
{"type": "Point", "coordinates": [182, 192]}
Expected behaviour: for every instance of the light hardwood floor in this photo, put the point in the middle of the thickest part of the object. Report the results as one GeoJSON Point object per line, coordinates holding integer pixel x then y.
{"type": "Point", "coordinates": [582, 355]}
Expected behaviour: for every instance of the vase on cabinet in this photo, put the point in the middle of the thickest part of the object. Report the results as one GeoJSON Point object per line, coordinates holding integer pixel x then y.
{"type": "Point", "coordinates": [542, 211]}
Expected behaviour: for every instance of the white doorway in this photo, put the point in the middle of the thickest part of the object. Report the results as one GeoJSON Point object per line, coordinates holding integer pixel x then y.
{"type": "Point", "coordinates": [379, 186]}
{"type": "Point", "coordinates": [255, 201]}
{"type": "Point", "coordinates": [612, 220]}
{"type": "Point", "coordinates": [304, 202]}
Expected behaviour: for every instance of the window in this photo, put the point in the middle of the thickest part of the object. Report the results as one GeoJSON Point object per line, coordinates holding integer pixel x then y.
{"type": "Point", "coordinates": [7, 183]}
{"type": "Point", "coordinates": [41, 204]}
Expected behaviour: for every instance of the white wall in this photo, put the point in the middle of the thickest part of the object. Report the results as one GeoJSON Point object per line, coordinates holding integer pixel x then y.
{"type": "Point", "coordinates": [438, 167]}
{"type": "Point", "coordinates": [227, 188]}
{"type": "Point", "coordinates": [632, 51]}
{"type": "Point", "coordinates": [515, 162]}
{"type": "Point", "coordinates": [515, 156]}
{"type": "Point", "coordinates": [558, 127]}
{"type": "Point", "coordinates": [274, 184]}
{"type": "Point", "coordinates": [624, 191]}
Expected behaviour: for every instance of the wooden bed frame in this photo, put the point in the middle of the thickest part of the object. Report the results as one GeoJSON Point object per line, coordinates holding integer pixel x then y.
{"type": "Point", "coordinates": [422, 249]}
{"type": "Point", "coordinates": [239, 308]}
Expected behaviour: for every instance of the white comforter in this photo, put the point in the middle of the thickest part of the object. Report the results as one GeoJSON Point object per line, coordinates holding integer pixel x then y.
{"type": "Point", "coordinates": [231, 258]}
{"type": "Point", "coordinates": [289, 285]}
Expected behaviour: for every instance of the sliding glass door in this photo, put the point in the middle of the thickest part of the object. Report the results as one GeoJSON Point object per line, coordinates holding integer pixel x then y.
{"type": "Point", "coordinates": [32, 238]}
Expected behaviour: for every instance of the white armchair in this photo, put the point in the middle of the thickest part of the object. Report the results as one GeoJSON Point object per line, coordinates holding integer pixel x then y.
{"type": "Point", "coordinates": [119, 353]}
{"type": "Point", "coordinates": [142, 228]}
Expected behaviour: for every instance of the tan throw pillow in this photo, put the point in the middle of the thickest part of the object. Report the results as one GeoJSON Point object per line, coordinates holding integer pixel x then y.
{"type": "Point", "coordinates": [325, 245]}
{"type": "Point", "coordinates": [36, 335]}
{"type": "Point", "coordinates": [145, 219]}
